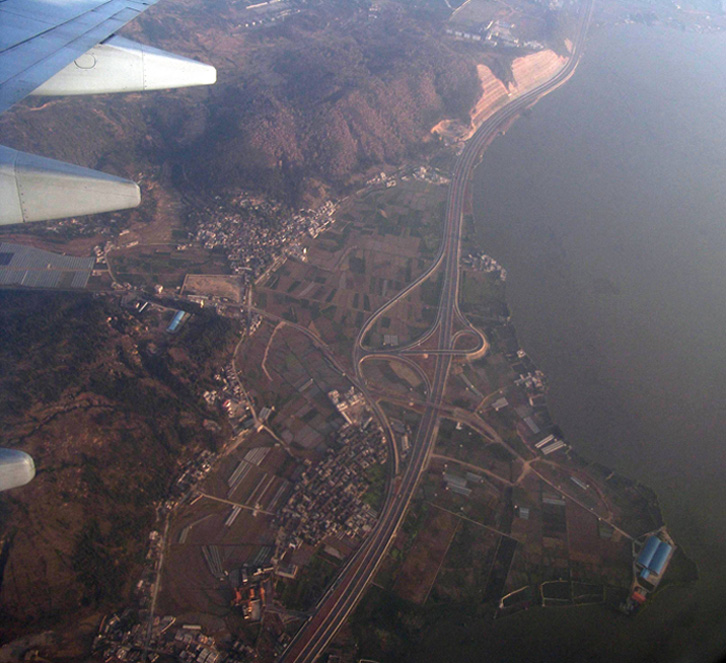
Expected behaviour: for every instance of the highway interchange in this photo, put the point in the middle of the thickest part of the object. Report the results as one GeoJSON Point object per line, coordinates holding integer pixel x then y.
{"type": "Point", "coordinates": [346, 591]}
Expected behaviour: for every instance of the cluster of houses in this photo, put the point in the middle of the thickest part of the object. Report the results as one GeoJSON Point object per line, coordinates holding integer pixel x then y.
{"type": "Point", "coordinates": [484, 263]}
{"type": "Point", "coordinates": [327, 499]}
{"type": "Point", "coordinates": [496, 32]}
{"type": "Point", "coordinates": [254, 233]}
{"type": "Point", "coordinates": [122, 638]}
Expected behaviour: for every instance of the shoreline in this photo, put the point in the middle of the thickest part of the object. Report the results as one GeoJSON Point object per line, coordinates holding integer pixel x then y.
{"type": "Point", "coordinates": [690, 496]}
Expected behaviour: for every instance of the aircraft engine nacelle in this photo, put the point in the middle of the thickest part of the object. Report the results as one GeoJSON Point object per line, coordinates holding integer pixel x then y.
{"type": "Point", "coordinates": [121, 65]}
{"type": "Point", "coordinates": [34, 188]}
{"type": "Point", "coordinates": [16, 468]}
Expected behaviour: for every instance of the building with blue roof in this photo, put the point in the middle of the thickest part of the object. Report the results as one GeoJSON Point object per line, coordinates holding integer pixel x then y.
{"type": "Point", "coordinates": [660, 558]}
{"type": "Point", "coordinates": [646, 554]}
{"type": "Point", "coordinates": [653, 556]}
{"type": "Point", "coordinates": [176, 321]}
{"type": "Point", "coordinates": [648, 569]}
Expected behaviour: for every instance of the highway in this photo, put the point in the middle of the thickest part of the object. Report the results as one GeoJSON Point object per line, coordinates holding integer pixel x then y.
{"type": "Point", "coordinates": [346, 591]}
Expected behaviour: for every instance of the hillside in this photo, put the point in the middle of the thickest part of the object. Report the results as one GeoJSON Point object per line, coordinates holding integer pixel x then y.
{"type": "Point", "coordinates": [109, 410]}
{"type": "Point", "coordinates": [311, 101]}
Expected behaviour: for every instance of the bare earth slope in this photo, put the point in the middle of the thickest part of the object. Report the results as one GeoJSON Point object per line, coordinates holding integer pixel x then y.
{"type": "Point", "coordinates": [527, 71]}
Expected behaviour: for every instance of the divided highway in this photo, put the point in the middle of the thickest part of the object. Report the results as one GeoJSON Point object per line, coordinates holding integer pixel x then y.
{"type": "Point", "coordinates": [352, 581]}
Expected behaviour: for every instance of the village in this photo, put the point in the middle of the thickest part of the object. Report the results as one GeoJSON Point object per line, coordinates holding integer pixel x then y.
{"type": "Point", "coordinates": [327, 499]}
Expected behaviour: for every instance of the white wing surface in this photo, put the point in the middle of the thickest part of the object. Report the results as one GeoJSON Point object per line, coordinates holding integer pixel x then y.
{"type": "Point", "coordinates": [38, 38]}
{"type": "Point", "coordinates": [68, 47]}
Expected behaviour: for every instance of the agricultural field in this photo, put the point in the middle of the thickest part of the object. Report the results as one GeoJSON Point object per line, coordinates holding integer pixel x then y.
{"type": "Point", "coordinates": [425, 556]}
{"type": "Point", "coordinates": [494, 521]}
{"type": "Point", "coordinates": [461, 443]}
{"type": "Point", "coordinates": [292, 377]}
{"type": "Point", "coordinates": [227, 525]}
{"type": "Point", "coordinates": [400, 379]}
{"type": "Point", "coordinates": [147, 266]}
{"type": "Point", "coordinates": [465, 570]}
{"type": "Point", "coordinates": [213, 285]}
{"type": "Point", "coordinates": [381, 242]}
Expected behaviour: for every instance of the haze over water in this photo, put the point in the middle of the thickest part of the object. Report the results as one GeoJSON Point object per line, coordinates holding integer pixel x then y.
{"type": "Point", "coordinates": [607, 206]}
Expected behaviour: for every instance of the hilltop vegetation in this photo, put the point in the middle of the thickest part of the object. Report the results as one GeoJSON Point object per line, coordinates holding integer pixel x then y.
{"type": "Point", "coordinates": [321, 99]}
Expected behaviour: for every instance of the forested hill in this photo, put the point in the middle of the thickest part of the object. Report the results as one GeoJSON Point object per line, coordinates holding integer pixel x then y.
{"type": "Point", "coordinates": [325, 99]}
{"type": "Point", "coordinates": [308, 101]}
{"type": "Point", "coordinates": [329, 92]}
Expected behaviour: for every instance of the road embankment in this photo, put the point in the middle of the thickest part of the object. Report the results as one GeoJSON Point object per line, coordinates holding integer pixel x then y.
{"type": "Point", "coordinates": [528, 72]}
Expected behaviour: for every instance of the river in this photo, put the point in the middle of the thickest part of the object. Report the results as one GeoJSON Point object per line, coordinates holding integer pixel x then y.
{"type": "Point", "coordinates": [607, 206]}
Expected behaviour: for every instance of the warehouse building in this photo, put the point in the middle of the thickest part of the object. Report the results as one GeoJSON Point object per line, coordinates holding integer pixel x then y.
{"type": "Point", "coordinates": [653, 557]}
{"type": "Point", "coordinates": [33, 268]}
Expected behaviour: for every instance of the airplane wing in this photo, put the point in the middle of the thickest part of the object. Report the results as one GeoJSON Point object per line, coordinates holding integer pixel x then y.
{"type": "Point", "coordinates": [68, 47]}
{"type": "Point", "coordinates": [40, 37]}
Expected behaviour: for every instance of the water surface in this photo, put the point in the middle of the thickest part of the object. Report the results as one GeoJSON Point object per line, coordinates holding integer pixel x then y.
{"type": "Point", "coordinates": [607, 206]}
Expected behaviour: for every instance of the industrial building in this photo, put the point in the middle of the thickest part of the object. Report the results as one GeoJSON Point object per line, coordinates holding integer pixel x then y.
{"type": "Point", "coordinates": [176, 321]}
{"type": "Point", "coordinates": [33, 268]}
{"type": "Point", "coordinates": [653, 557]}
{"type": "Point", "coordinates": [650, 563]}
